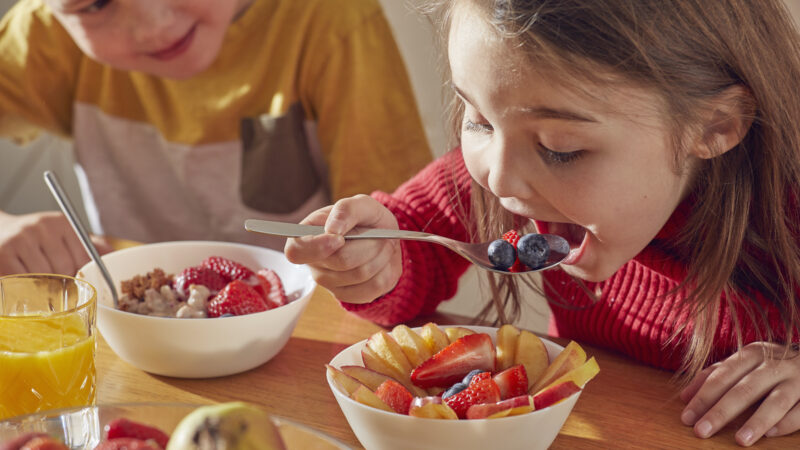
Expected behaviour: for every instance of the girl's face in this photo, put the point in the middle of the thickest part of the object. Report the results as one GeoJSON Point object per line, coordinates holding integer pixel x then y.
{"type": "Point", "coordinates": [169, 38]}
{"type": "Point", "coordinates": [599, 170]}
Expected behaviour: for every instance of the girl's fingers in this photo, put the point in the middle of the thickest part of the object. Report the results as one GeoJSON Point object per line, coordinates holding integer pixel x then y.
{"type": "Point", "coordinates": [360, 210]}
{"type": "Point", "coordinates": [691, 389]}
{"type": "Point", "coordinates": [788, 424]}
{"type": "Point", "coordinates": [774, 409]}
{"type": "Point", "coordinates": [723, 377]}
{"type": "Point", "coordinates": [383, 281]}
{"type": "Point", "coordinates": [312, 249]}
{"type": "Point", "coordinates": [353, 267]}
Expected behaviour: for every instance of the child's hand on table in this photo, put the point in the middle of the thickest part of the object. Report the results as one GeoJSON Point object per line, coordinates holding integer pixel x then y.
{"type": "Point", "coordinates": [41, 242]}
{"type": "Point", "coordinates": [724, 390]}
{"type": "Point", "coordinates": [355, 271]}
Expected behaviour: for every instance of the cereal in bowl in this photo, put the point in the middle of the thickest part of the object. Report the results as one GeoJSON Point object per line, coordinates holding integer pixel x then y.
{"type": "Point", "coordinates": [217, 287]}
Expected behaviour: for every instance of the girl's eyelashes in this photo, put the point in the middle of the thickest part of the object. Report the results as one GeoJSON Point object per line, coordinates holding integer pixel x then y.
{"type": "Point", "coordinates": [471, 126]}
{"type": "Point", "coordinates": [94, 7]}
{"type": "Point", "coordinates": [559, 158]}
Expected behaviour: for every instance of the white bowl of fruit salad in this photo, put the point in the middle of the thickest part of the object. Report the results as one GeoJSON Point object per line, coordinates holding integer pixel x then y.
{"type": "Point", "coordinates": [458, 387]}
{"type": "Point", "coordinates": [199, 309]}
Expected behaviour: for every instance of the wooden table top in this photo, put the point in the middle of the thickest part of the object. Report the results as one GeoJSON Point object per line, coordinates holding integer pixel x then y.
{"type": "Point", "coordinates": [627, 405]}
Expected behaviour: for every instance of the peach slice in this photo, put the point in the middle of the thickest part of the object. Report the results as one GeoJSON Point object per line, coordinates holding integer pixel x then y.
{"type": "Point", "coordinates": [531, 353]}
{"type": "Point", "coordinates": [571, 357]}
{"type": "Point", "coordinates": [365, 376]}
{"type": "Point", "coordinates": [369, 398]}
{"type": "Point", "coordinates": [343, 381]}
{"type": "Point", "coordinates": [581, 374]}
{"type": "Point", "coordinates": [453, 333]}
{"type": "Point", "coordinates": [509, 407]}
{"type": "Point", "coordinates": [433, 411]}
{"type": "Point", "coordinates": [434, 337]}
{"type": "Point", "coordinates": [506, 346]}
{"type": "Point", "coordinates": [374, 362]}
{"type": "Point", "coordinates": [412, 344]}
{"type": "Point", "coordinates": [554, 394]}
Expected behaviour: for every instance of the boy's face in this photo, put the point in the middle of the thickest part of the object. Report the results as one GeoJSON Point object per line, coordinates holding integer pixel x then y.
{"type": "Point", "coordinates": [168, 38]}
{"type": "Point", "coordinates": [599, 170]}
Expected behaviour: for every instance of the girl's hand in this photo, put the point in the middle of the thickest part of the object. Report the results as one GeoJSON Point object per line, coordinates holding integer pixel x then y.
{"type": "Point", "coordinates": [356, 271]}
{"type": "Point", "coordinates": [41, 243]}
{"type": "Point", "coordinates": [724, 390]}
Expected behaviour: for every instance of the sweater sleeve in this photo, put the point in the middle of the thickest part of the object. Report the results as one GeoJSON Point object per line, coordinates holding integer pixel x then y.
{"type": "Point", "coordinates": [434, 201]}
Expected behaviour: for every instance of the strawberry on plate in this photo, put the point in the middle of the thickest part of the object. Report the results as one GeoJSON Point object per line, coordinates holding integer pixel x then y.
{"type": "Point", "coordinates": [512, 382]}
{"type": "Point", "coordinates": [230, 270]}
{"type": "Point", "coordinates": [450, 364]}
{"type": "Point", "coordinates": [237, 298]}
{"type": "Point", "coordinates": [270, 287]}
{"type": "Point", "coordinates": [198, 275]}
{"type": "Point", "coordinates": [482, 389]}
{"type": "Point", "coordinates": [125, 428]}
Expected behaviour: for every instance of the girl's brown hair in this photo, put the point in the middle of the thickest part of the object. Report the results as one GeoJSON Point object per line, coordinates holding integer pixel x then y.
{"type": "Point", "coordinates": [743, 231]}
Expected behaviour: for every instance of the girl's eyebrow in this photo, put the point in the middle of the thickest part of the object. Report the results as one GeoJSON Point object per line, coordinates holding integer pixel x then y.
{"type": "Point", "coordinates": [541, 111]}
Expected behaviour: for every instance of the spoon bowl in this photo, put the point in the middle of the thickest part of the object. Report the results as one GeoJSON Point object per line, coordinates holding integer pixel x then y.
{"type": "Point", "coordinates": [476, 253]}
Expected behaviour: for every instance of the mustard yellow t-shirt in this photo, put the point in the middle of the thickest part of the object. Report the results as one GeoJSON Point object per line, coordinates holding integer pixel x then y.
{"type": "Point", "coordinates": [307, 101]}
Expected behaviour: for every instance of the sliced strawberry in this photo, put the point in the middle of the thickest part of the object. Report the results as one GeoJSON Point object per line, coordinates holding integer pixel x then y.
{"type": "Point", "coordinates": [270, 287]}
{"type": "Point", "coordinates": [127, 443]}
{"type": "Point", "coordinates": [230, 270]}
{"type": "Point", "coordinates": [237, 298]}
{"type": "Point", "coordinates": [395, 395]}
{"type": "Point", "coordinates": [482, 389]}
{"type": "Point", "coordinates": [42, 443]}
{"type": "Point", "coordinates": [450, 364]}
{"type": "Point", "coordinates": [512, 382]}
{"type": "Point", "coordinates": [125, 428]}
{"type": "Point", "coordinates": [512, 237]}
{"type": "Point", "coordinates": [198, 275]}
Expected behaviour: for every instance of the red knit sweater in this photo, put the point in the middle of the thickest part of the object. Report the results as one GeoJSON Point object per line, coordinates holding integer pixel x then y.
{"type": "Point", "coordinates": [635, 313]}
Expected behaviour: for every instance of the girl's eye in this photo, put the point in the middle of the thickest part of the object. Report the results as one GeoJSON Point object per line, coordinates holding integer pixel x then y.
{"type": "Point", "coordinates": [477, 127]}
{"type": "Point", "coordinates": [96, 6]}
{"type": "Point", "coordinates": [559, 158]}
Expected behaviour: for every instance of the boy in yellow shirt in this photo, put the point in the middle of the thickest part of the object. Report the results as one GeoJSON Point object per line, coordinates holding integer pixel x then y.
{"type": "Point", "coordinates": [190, 116]}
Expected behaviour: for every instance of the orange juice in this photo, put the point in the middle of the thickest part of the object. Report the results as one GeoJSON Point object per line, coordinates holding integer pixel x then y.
{"type": "Point", "coordinates": [46, 362]}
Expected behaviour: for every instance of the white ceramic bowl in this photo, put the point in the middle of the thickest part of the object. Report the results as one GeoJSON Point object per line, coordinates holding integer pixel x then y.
{"type": "Point", "coordinates": [196, 348]}
{"type": "Point", "coordinates": [381, 430]}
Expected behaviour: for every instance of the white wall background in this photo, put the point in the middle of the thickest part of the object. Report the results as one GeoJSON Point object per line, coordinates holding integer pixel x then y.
{"type": "Point", "coordinates": [22, 189]}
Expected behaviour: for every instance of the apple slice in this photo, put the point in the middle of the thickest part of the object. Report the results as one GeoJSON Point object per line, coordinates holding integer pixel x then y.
{"type": "Point", "coordinates": [554, 394]}
{"type": "Point", "coordinates": [512, 406]}
{"type": "Point", "coordinates": [434, 337]}
{"type": "Point", "coordinates": [365, 376]}
{"type": "Point", "coordinates": [531, 353]}
{"type": "Point", "coordinates": [571, 357]}
{"type": "Point", "coordinates": [580, 375]}
{"type": "Point", "coordinates": [507, 336]}
{"type": "Point", "coordinates": [369, 398]}
{"type": "Point", "coordinates": [453, 333]}
{"type": "Point", "coordinates": [343, 381]}
{"type": "Point", "coordinates": [412, 344]}
{"type": "Point", "coordinates": [433, 411]}
{"type": "Point", "coordinates": [374, 362]}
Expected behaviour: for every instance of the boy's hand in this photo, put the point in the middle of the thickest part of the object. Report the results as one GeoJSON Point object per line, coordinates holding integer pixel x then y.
{"type": "Point", "coordinates": [724, 390]}
{"type": "Point", "coordinates": [356, 271]}
{"type": "Point", "coordinates": [41, 243]}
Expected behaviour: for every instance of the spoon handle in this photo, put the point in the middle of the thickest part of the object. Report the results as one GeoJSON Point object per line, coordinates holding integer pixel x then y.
{"type": "Point", "coordinates": [294, 230]}
{"type": "Point", "coordinates": [68, 210]}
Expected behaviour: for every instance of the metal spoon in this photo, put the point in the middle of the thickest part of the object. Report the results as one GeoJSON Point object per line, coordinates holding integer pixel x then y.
{"type": "Point", "coordinates": [477, 253]}
{"type": "Point", "coordinates": [68, 210]}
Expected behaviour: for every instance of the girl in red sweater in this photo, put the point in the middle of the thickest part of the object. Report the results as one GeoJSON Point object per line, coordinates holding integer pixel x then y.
{"type": "Point", "coordinates": [662, 140]}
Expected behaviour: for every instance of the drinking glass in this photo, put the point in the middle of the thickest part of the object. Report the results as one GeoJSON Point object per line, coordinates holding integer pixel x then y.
{"type": "Point", "coordinates": [47, 343]}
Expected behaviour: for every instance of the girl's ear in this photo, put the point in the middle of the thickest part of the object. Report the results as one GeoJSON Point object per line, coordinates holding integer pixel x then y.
{"type": "Point", "coordinates": [727, 122]}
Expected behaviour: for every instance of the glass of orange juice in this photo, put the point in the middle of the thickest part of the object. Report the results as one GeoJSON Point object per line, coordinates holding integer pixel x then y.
{"type": "Point", "coordinates": [47, 343]}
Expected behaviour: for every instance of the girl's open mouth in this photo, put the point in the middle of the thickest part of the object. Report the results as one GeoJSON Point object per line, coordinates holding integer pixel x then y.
{"type": "Point", "coordinates": [177, 48]}
{"type": "Point", "coordinates": [575, 235]}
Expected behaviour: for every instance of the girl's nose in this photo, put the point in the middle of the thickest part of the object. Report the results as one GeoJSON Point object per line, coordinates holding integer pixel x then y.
{"type": "Point", "coordinates": [507, 171]}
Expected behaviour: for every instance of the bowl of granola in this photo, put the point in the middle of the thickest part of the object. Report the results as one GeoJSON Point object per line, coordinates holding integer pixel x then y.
{"type": "Point", "coordinates": [199, 309]}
